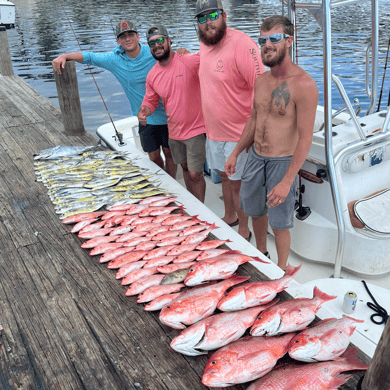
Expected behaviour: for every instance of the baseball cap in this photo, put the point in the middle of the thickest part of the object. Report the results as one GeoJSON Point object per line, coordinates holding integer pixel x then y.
{"type": "Point", "coordinates": [123, 26]}
{"type": "Point", "coordinates": [207, 5]}
{"type": "Point", "coordinates": [157, 29]}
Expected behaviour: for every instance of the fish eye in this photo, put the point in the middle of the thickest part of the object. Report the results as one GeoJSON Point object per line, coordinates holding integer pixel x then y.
{"type": "Point", "coordinates": [168, 307]}
{"type": "Point", "coordinates": [191, 269]}
{"type": "Point", "coordinates": [296, 341]}
{"type": "Point", "coordinates": [213, 362]}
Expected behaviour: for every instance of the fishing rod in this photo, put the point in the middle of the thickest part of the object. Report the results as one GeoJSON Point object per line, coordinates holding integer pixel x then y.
{"type": "Point", "coordinates": [117, 133]}
{"type": "Point", "coordinates": [383, 80]}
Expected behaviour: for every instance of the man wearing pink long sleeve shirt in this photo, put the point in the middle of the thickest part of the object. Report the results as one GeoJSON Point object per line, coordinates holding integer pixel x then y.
{"type": "Point", "coordinates": [175, 79]}
{"type": "Point", "coordinates": [230, 62]}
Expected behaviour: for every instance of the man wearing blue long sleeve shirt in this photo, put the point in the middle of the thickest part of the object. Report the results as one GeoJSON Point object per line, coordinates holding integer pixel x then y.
{"type": "Point", "coordinates": [130, 63]}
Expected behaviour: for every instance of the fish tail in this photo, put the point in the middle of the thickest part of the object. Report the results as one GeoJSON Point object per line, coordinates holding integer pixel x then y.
{"type": "Point", "coordinates": [351, 359]}
{"type": "Point", "coordinates": [336, 382]}
{"type": "Point", "coordinates": [292, 271]}
{"type": "Point", "coordinates": [259, 260]}
{"type": "Point", "coordinates": [233, 252]}
{"type": "Point", "coordinates": [353, 319]}
{"type": "Point", "coordinates": [322, 296]}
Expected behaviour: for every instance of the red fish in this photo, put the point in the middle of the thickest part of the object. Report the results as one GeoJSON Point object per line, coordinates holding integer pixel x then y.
{"type": "Point", "coordinates": [135, 241]}
{"type": "Point", "coordinates": [244, 360]}
{"type": "Point", "coordinates": [186, 256]}
{"type": "Point", "coordinates": [129, 267]}
{"type": "Point", "coordinates": [98, 250]}
{"type": "Point", "coordinates": [82, 224]}
{"type": "Point", "coordinates": [256, 293]}
{"type": "Point", "coordinates": [146, 246]}
{"type": "Point", "coordinates": [126, 258]}
{"type": "Point", "coordinates": [152, 199]}
{"type": "Point", "coordinates": [157, 291]}
{"type": "Point", "coordinates": [167, 269]}
{"type": "Point", "coordinates": [196, 304]}
{"type": "Point", "coordinates": [92, 243]}
{"type": "Point", "coordinates": [215, 268]}
{"type": "Point", "coordinates": [289, 316]}
{"type": "Point", "coordinates": [137, 275]}
{"type": "Point", "coordinates": [95, 233]}
{"type": "Point", "coordinates": [157, 252]}
{"type": "Point", "coordinates": [159, 261]}
{"type": "Point", "coordinates": [129, 236]}
{"type": "Point", "coordinates": [82, 216]}
{"type": "Point", "coordinates": [179, 249]}
{"type": "Point", "coordinates": [142, 284]}
{"type": "Point", "coordinates": [170, 241]}
{"type": "Point", "coordinates": [213, 253]}
{"type": "Point", "coordinates": [211, 244]}
{"type": "Point", "coordinates": [111, 255]}
{"type": "Point", "coordinates": [324, 341]}
{"type": "Point", "coordinates": [311, 376]}
{"type": "Point", "coordinates": [159, 302]}
{"type": "Point", "coordinates": [110, 214]}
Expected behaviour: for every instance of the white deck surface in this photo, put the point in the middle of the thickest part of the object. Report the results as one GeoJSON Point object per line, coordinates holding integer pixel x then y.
{"type": "Point", "coordinates": [311, 274]}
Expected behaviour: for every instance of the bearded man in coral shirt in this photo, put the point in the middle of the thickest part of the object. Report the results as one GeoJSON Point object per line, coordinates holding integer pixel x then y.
{"type": "Point", "coordinates": [230, 62]}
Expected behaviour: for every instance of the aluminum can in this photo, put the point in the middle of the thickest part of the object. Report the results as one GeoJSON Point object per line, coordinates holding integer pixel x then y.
{"type": "Point", "coordinates": [349, 304]}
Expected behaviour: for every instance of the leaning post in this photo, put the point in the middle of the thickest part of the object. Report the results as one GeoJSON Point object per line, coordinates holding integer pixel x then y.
{"type": "Point", "coordinates": [69, 99]}
{"type": "Point", "coordinates": [377, 376]}
{"type": "Point", "coordinates": [6, 68]}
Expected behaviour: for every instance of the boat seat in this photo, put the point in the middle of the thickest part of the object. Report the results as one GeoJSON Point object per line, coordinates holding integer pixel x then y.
{"type": "Point", "coordinates": [374, 213]}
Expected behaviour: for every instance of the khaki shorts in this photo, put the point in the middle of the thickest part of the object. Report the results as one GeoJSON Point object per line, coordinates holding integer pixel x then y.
{"type": "Point", "coordinates": [191, 151]}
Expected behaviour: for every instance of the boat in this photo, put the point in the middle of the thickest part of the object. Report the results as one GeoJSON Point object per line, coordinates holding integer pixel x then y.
{"type": "Point", "coordinates": [7, 14]}
{"type": "Point", "coordinates": [346, 173]}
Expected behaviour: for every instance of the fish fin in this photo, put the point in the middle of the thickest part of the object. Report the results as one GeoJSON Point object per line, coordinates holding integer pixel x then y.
{"type": "Point", "coordinates": [259, 260]}
{"type": "Point", "coordinates": [324, 321]}
{"type": "Point", "coordinates": [248, 356]}
{"type": "Point", "coordinates": [321, 295]}
{"type": "Point", "coordinates": [233, 252]}
{"type": "Point", "coordinates": [353, 319]}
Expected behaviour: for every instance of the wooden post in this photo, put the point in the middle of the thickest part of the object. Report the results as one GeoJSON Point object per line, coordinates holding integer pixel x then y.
{"type": "Point", "coordinates": [377, 376]}
{"type": "Point", "coordinates": [5, 56]}
{"type": "Point", "coordinates": [69, 99]}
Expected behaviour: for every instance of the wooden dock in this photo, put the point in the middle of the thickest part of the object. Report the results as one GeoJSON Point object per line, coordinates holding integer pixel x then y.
{"type": "Point", "coordinates": [67, 323]}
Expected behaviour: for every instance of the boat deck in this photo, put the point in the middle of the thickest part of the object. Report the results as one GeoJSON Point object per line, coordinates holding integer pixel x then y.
{"type": "Point", "coordinates": [66, 321]}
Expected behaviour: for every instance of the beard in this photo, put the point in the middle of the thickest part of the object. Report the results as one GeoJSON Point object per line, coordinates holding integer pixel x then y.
{"type": "Point", "coordinates": [211, 41]}
{"type": "Point", "coordinates": [277, 60]}
{"type": "Point", "coordinates": [164, 55]}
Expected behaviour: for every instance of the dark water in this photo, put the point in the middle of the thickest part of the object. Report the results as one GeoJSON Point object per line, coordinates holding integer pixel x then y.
{"type": "Point", "coordinates": [47, 28]}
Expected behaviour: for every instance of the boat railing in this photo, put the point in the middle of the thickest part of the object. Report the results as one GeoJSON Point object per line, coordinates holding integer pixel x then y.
{"type": "Point", "coordinates": [322, 13]}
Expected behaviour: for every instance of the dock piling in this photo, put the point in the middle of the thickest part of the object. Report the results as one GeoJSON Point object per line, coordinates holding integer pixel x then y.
{"type": "Point", "coordinates": [377, 376]}
{"type": "Point", "coordinates": [69, 99]}
{"type": "Point", "coordinates": [5, 55]}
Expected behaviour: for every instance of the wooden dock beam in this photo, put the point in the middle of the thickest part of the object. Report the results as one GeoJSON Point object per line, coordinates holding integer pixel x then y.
{"type": "Point", "coordinates": [377, 376]}
{"type": "Point", "coordinates": [5, 55]}
{"type": "Point", "coordinates": [69, 99]}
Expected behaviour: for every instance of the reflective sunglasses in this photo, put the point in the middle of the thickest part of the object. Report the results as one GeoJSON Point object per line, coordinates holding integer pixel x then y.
{"type": "Point", "coordinates": [212, 16]}
{"type": "Point", "coordinates": [274, 38]}
{"type": "Point", "coordinates": [160, 41]}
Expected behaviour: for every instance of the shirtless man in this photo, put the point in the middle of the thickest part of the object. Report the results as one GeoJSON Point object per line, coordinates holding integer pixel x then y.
{"type": "Point", "coordinates": [281, 129]}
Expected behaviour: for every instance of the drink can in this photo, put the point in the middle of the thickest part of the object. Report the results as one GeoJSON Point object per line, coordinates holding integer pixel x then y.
{"type": "Point", "coordinates": [349, 304]}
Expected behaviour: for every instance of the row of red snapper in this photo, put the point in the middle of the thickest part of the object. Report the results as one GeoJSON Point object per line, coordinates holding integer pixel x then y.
{"type": "Point", "coordinates": [159, 253]}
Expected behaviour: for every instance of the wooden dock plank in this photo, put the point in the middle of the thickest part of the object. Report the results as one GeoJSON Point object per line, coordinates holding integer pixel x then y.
{"type": "Point", "coordinates": [67, 322]}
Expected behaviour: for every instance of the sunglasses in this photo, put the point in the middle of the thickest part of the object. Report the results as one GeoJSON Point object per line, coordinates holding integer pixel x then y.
{"type": "Point", "coordinates": [212, 16]}
{"type": "Point", "coordinates": [160, 41]}
{"type": "Point", "coordinates": [274, 38]}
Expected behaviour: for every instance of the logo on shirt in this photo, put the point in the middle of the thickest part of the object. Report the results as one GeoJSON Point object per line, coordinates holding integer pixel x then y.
{"type": "Point", "coordinates": [203, 2]}
{"type": "Point", "coordinates": [219, 67]}
{"type": "Point", "coordinates": [179, 75]}
{"type": "Point", "coordinates": [255, 60]}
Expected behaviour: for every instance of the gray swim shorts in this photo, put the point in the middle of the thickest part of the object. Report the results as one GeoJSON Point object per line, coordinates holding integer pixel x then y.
{"type": "Point", "coordinates": [260, 175]}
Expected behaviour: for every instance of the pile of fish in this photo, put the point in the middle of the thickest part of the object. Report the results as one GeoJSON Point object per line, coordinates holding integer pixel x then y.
{"type": "Point", "coordinates": [165, 258]}
{"type": "Point", "coordinates": [80, 179]}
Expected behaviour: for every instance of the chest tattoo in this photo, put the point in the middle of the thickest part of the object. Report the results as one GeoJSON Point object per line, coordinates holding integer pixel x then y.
{"type": "Point", "coordinates": [281, 94]}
